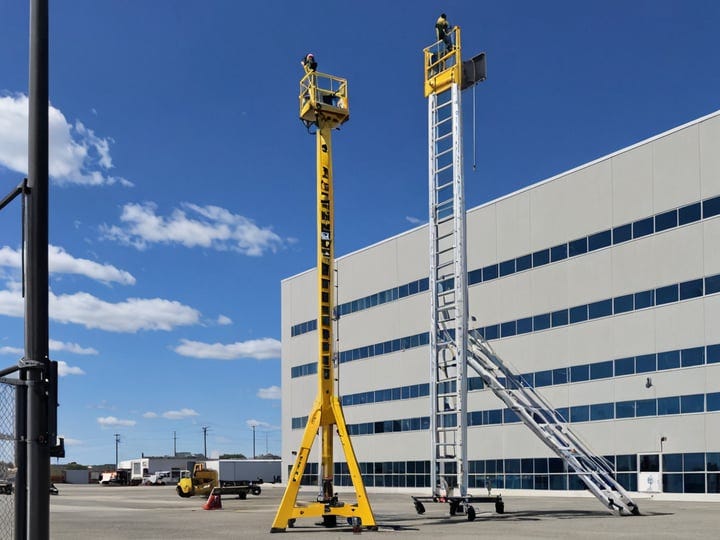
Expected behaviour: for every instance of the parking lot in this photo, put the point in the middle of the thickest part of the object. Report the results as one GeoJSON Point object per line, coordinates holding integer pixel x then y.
{"type": "Point", "coordinates": [144, 512]}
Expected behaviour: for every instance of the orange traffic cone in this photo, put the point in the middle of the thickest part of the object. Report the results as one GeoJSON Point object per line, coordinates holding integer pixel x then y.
{"type": "Point", "coordinates": [213, 503]}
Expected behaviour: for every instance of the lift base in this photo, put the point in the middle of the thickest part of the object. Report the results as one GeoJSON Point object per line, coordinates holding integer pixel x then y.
{"type": "Point", "coordinates": [461, 505]}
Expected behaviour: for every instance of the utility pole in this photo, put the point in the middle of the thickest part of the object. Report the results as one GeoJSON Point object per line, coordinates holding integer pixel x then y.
{"type": "Point", "coordinates": [174, 443]}
{"type": "Point", "coordinates": [205, 428]}
{"type": "Point", "coordinates": [254, 426]}
{"type": "Point", "coordinates": [117, 442]}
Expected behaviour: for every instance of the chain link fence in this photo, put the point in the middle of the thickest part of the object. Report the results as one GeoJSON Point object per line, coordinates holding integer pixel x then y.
{"type": "Point", "coordinates": [7, 459]}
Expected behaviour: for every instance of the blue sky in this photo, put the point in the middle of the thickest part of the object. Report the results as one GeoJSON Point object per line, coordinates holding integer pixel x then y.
{"type": "Point", "coordinates": [183, 182]}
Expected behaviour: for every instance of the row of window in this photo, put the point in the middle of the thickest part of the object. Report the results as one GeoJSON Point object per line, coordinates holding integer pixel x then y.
{"type": "Point", "coordinates": [387, 394]}
{"type": "Point", "coordinates": [617, 235]}
{"type": "Point", "coordinates": [695, 472]}
{"type": "Point", "coordinates": [574, 315]}
{"type": "Point", "coordinates": [635, 408]}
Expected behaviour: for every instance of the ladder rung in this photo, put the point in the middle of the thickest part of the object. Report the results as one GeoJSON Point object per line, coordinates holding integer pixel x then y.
{"type": "Point", "coordinates": [443, 121]}
{"type": "Point", "coordinates": [443, 152]}
{"type": "Point", "coordinates": [443, 137]}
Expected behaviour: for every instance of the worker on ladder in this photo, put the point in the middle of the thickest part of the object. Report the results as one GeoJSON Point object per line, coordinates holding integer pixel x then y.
{"type": "Point", "coordinates": [442, 31]}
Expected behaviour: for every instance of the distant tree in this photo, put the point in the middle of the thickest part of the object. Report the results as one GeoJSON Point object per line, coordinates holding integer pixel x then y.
{"type": "Point", "coordinates": [74, 466]}
{"type": "Point", "coordinates": [268, 456]}
{"type": "Point", "coordinates": [232, 456]}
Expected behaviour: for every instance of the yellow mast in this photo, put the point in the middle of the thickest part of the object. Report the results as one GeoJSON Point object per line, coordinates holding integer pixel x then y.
{"type": "Point", "coordinates": [324, 105]}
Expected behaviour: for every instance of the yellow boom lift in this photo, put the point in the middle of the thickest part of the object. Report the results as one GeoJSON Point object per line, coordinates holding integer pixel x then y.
{"type": "Point", "coordinates": [324, 107]}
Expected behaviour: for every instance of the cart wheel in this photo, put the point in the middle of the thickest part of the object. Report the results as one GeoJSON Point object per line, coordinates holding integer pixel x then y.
{"type": "Point", "coordinates": [242, 495]}
{"type": "Point", "coordinates": [453, 508]}
{"type": "Point", "coordinates": [471, 513]}
{"type": "Point", "coordinates": [500, 507]}
{"type": "Point", "coordinates": [419, 507]}
{"type": "Point", "coordinates": [291, 522]}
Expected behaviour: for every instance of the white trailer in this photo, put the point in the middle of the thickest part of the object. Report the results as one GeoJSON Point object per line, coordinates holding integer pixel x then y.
{"type": "Point", "coordinates": [245, 471]}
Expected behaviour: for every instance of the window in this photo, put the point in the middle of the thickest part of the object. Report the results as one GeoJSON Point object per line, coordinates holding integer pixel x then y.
{"type": "Point", "coordinates": [525, 325]}
{"type": "Point", "coordinates": [490, 272]}
{"type": "Point", "coordinates": [645, 407]}
{"type": "Point", "coordinates": [624, 366]}
{"type": "Point", "coordinates": [579, 373]}
{"type": "Point", "coordinates": [713, 401]}
{"type": "Point", "coordinates": [644, 299]}
{"type": "Point", "coordinates": [665, 295]}
{"type": "Point", "coordinates": [623, 303]}
{"type": "Point", "coordinates": [668, 360]}
{"type": "Point", "coordinates": [643, 227]}
{"type": "Point", "coordinates": [507, 267]}
{"type": "Point", "coordinates": [540, 258]}
{"type": "Point", "coordinates": [666, 220]}
{"type": "Point", "coordinates": [523, 263]}
{"type": "Point", "coordinates": [694, 483]}
{"type": "Point", "coordinates": [601, 370]}
{"type": "Point", "coordinates": [508, 329]}
{"type": "Point", "coordinates": [688, 214]}
{"type": "Point", "coordinates": [694, 461]}
{"type": "Point", "coordinates": [492, 332]}
{"type": "Point", "coordinates": [510, 416]}
{"type": "Point", "coordinates": [713, 354]}
{"type": "Point", "coordinates": [580, 413]}
{"type": "Point", "coordinates": [578, 314]}
{"type": "Point", "coordinates": [673, 483]}
{"type": "Point", "coordinates": [599, 240]}
{"type": "Point", "coordinates": [560, 376]}
{"type": "Point", "coordinates": [669, 405]}
{"type": "Point", "coordinates": [623, 233]}
{"type": "Point", "coordinates": [691, 289]}
{"type": "Point", "coordinates": [558, 253]}
{"type": "Point", "coordinates": [541, 322]}
{"type": "Point", "coordinates": [692, 404]}
{"type": "Point", "coordinates": [672, 462]}
{"type": "Point", "coordinates": [543, 378]}
{"type": "Point", "coordinates": [559, 318]}
{"type": "Point", "coordinates": [693, 357]}
{"type": "Point", "coordinates": [624, 409]}
{"type": "Point", "coordinates": [712, 284]}
{"type": "Point", "coordinates": [645, 363]}
{"type": "Point", "coordinates": [601, 411]}
{"type": "Point", "coordinates": [711, 207]}
{"type": "Point", "coordinates": [577, 247]}
{"type": "Point", "coordinates": [474, 276]}
{"type": "Point", "coordinates": [603, 308]}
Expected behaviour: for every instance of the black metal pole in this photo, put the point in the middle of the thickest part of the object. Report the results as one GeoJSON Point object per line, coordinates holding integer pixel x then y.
{"type": "Point", "coordinates": [36, 363]}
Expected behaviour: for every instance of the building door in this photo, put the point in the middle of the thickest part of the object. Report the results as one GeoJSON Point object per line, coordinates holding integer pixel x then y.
{"type": "Point", "coordinates": [649, 473]}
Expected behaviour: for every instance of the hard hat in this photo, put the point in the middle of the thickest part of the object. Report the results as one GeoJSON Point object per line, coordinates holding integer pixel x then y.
{"type": "Point", "coordinates": [310, 55]}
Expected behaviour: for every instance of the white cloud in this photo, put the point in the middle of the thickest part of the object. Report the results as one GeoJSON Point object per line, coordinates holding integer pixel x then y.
{"type": "Point", "coordinates": [70, 347]}
{"type": "Point", "coordinates": [260, 349]}
{"type": "Point", "coordinates": [178, 415]}
{"type": "Point", "coordinates": [61, 262]}
{"type": "Point", "coordinates": [77, 155]}
{"type": "Point", "coordinates": [71, 442]}
{"type": "Point", "coordinates": [414, 220]}
{"type": "Point", "coordinates": [64, 369]}
{"type": "Point", "coordinates": [191, 226]}
{"type": "Point", "coordinates": [271, 392]}
{"type": "Point", "coordinates": [257, 423]}
{"type": "Point", "coordinates": [150, 414]}
{"type": "Point", "coordinates": [110, 421]}
{"type": "Point", "coordinates": [129, 316]}
{"type": "Point", "coordinates": [12, 350]}
{"type": "Point", "coordinates": [223, 320]}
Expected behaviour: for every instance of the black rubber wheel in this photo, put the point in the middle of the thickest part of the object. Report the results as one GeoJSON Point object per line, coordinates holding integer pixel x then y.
{"type": "Point", "coordinates": [255, 490]}
{"type": "Point", "coordinates": [291, 522]}
{"type": "Point", "coordinates": [419, 507]}
{"type": "Point", "coordinates": [453, 508]}
{"type": "Point", "coordinates": [242, 495]}
{"type": "Point", "coordinates": [182, 493]}
{"type": "Point", "coordinates": [330, 521]}
{"type": "Point", "coordinates": [500, 507]}
{"type": "Point", "coordinates": [471, 513]}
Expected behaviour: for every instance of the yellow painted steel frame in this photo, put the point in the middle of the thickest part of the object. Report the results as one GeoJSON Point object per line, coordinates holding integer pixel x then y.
{"type": "Point", "coordinates": [443, 67]}
{"type": "Point", "coordinates": [326, 412]}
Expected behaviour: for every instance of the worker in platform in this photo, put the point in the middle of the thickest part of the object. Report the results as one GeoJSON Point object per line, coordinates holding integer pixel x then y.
{"type": "Point", "coordinates": [308, 62]}
{"type": "Point", "coordinates": [442, 31]}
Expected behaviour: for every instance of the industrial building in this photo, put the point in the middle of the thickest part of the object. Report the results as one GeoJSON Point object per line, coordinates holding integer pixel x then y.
{"type": "Point", "coordinates": [599, 285]}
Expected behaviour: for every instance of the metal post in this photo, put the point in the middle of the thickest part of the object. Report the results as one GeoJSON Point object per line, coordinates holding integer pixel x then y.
{"type": "Point", "coordinates": [36, 362]}
{"type": "Point", "coordinates": [253, 441]}
{"type": "Point", "coordinates": [205, 441]}
{"type": "Point", "coordinates": [174, 443]}
{"type": "Point", "coordinates": [117, 442]}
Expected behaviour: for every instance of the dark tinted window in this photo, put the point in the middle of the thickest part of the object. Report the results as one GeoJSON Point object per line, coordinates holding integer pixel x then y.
{"type": "Point", "coordinates": [507, 329]}
{"type": "Point", "coordinates": [523, 263]}
{"type": "Point", "coordinates": [507, 267]}
{"type": "Point", "coordinates": [713, 354]}
{"type": "Point", "coordinates": [645, 363]}
{"type": "Point", "coordinates": [713, 401]}
{"type": "Point", "coordinates": [599, 240]}
{"type": "Point", "coordinates": [688, 214]}
{"type": "Point", "coordinates": [666, 220]}
{"type": "Point", "coordinates": [601, 370]}
{"type": "Point", "coordinates": [625, 366]}
{"type": "Point", "coordinates": [693, 357]}
{"type": "Point", "coordinates": [541, 322]}
{"type": "Point", "coordinates": [541, 257]}
{"type": "Point", "coordinates": [712, 284]}
{"type": "Point", "coordinates": [668, 360]}
{"type": "Point", "coordinates": [524, 325]}
{"type": "Point", "coordinates": [644, 299]}
{"type": "Point", "coordinates": [645, 407]}
{"type": "Point", "coordinates": [603, 308]}
{"type": "Point", "coordinates": [492, 332]}
{"type": "Point", "coordinates": [558, 253]}
{"type": "Point", "coordinates": [543, 378]}
{"type": "Point", "coordinates": [560, 318]}
{"type": "Point", "coordinates": [691, 289]}
{"type": "Point", "coordinates": [625, 409]}
{"type": "Point", "coordinates": [579, 373]}
{"type": "Point", "coordinates": [692, 404]}
{"type": "Point", "coordinates": [578, 314]}
{"type": "Point", "coordinates": [672, 462]}
{"type": "Point", "coordinates": [665, 295]}
{"type": "Point", "coordinates": [580, 413]}
{"type": "Point", "coordinates": [490, 272]}
{"type": "Point", "coordinates": [711, 207]}
{"type": "Point", "coordinates": [474, 276]}
{"type": "Point", "coordinates": [643, 227]}
{"type": "Point", "coordinates": [577, 247]}
{"type": "Point", "coordinates": [560, 375]}
{"type": "Point", "coordinates": [623, 233]}
{"type": "Point", "coordinates": [601, 411]}
{"type": "Point", "coordinates": [694, 461]}
{"type": "Point", "coordinates": [623, 303]}
{"type": "Point", "coordinates": [669, 405]}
